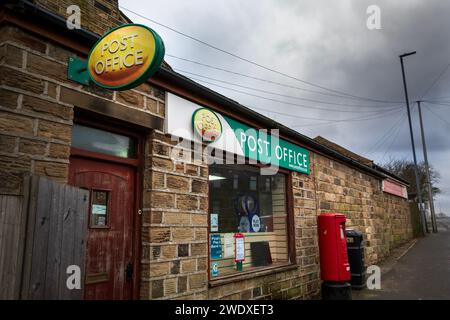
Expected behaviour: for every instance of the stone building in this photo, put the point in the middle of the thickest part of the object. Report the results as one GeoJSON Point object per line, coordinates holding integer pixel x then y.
{"type": "Point", "coordinates": [179, 207]}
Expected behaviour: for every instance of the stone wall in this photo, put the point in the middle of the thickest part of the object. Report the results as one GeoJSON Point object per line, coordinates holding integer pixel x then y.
{"type": "Point", "coordinates": [306, 238]}
{"type": "Point", "coordinates": [383, 218]}
{"type": "Point", "coordinates": [175, 223]}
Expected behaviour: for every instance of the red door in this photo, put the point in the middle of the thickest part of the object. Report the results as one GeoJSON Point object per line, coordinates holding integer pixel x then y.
{"type": "Point", "coordinates": [109, 264]}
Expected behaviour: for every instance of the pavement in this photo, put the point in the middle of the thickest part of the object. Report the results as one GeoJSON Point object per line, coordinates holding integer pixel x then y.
{"type": "Point", "coordinates": [419, 270]}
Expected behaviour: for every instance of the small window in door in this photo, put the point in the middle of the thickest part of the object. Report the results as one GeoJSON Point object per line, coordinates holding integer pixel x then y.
{"type": "Point", "coordinates": [99, 209]}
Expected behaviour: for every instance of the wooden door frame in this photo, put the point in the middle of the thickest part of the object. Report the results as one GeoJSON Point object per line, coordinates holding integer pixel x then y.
{"type": "Point", "coordinates": [119, 127]}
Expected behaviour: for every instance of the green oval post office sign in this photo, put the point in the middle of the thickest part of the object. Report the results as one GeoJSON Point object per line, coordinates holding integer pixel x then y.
{"type": "Point", "coordinates": [125, 57]}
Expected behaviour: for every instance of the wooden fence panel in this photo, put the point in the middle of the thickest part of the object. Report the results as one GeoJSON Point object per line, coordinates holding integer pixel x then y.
{"type": "Point", "coordinates": [56, 231]}
{"type": "Point", "coordinates": [12, 219]}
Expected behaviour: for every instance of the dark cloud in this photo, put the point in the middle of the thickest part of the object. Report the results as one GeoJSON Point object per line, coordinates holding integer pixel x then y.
{"type": "Point", "coordinates": [327, 43]}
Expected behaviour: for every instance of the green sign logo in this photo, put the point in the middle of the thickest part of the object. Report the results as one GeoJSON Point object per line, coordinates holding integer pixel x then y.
{"type": "Point", "coordinates": [261, 146]}
{"type": "Point", "coordinates": [206, 124]}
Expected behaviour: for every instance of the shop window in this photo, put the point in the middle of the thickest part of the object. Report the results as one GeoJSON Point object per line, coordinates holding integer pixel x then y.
{"type": "Point", "coordinates": [105, 142]}
{"type": "Point", "coordinates": [245, 203]}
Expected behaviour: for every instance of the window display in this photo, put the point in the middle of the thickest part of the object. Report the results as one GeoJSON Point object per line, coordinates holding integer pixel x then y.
{"type": "Point", "coordinates": [245, 203]}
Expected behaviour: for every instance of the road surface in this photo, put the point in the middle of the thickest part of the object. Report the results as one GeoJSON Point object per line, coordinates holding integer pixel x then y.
{"type": "Point", "coordinates": [423, 273]}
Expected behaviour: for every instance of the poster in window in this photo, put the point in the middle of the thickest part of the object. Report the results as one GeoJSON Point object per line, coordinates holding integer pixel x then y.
{"type": "Point", "coordinates": [98, 209]}
{"type": "Point", "coordinates": [228, 246]}
{"type": "Point", "coordinates": [244, 224]}
{"type": "Point", "coordinates": [255, 223]}
{"type": "Point", "coordinates": [215, 269]}
{"type": "Point", "coordinates": [216, 247]}
{"type": "Point", "coordinates": [214, 222]}
{"type": "Point", "coordinates": [240, 247]}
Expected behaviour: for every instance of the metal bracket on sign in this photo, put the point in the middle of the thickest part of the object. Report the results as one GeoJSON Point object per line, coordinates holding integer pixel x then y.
{"type": "Point", "coordinates": [77, 71]}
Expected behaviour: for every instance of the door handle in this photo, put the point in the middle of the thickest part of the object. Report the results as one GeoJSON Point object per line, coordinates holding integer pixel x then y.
{"type": "Point", "coordinates": [129, 270]}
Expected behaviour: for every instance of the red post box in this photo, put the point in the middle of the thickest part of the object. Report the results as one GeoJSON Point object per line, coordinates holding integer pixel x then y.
{"type": "Point", "coordinates": [334, 265]}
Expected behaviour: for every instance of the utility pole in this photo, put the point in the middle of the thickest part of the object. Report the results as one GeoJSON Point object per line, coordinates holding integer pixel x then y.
{"type": "Point", "coordinates": [427, 168]}
{"type": "Point", "coordinates": [416, 171]}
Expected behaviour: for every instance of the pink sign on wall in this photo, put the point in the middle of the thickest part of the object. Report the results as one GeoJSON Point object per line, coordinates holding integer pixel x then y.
{"type": "Point", "coordinates": [394, 188]}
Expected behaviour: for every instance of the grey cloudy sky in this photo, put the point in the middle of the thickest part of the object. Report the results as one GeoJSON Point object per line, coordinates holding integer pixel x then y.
{"type": "Point", "coordinates": [325, 43]}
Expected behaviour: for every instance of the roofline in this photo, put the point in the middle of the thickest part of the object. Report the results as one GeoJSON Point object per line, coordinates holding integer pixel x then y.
{"type": "Point", "coordinates": [36, 11]}
{"type": "Point", "coordinates": [390, 174]}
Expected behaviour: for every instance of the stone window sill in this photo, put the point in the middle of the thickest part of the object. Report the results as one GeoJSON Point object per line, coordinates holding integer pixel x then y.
{"type": "Point", "coordinates": [251, 274]}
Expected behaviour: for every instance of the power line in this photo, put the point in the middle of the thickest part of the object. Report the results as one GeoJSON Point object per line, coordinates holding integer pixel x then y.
{"type": "Point", "coordinates": [437, 98]}
{"type": "Point", "coordinates": [329, 122]}
{"type": "Point", "coordinates": [284, 102]}
{"type": "Point", "coordinates": [441, 103]}
{"type": "Point", "coordinates": [283, 95]}
{"type": "Point", "coordinates": [384, 137]}
{"type": "Point", "coordinates": [437, 115]}
{"type": "Point", "coordinates": [266, 80]}
{"type": "Point", "coordinates": [435, 80]}
{"type": "Point", "coordinates": [376, 116]}
{"type": "Point", "coordinates": [392, 143]}
{"type": "Point", "coordinates": [248, 60]}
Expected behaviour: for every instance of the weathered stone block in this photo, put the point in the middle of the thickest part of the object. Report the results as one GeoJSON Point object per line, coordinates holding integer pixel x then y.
{"type": "Point", "coordinates": [162, 163]}
{"type": "Point", "coordinates": [11, 56]}
{"type": "Point", "coordinates": [198, 281]}
{"type": "Point", "coordinates": [182, 234]}
{"type": "Point", "coordinates": [188, 265]}
{"type": "Point", "coordinates": [199, 186]}
{"type": "Point", "coordinates": [45, 67]}
{"type": "Point", "coordinates": [8, 99]}
{"type": "Point", "coordinates": [59, 151]}
{"type": "Point", "coordinates": [44, 108]}
{"type": "Point", "coordinates": [158, 235]}
{"type": "Point", "coordinates": [12, 170]}
{"type": "Point", "coordinates": [20, 80]}
{"type": "Point", "coordinates": [15, 124]}
{"type": "Point", "coordinates": [131, 98]}
{"type": "Point", "coordinates": [7, 144]}
{"type": "Point", "coordinates": [187, 202]}
{"type": "Point", "coordinates": [51, 169]}
{"type": "Point", "coordinates": [157, 288]}
{"type": "Point", "coordinates": [159, 269]}
{"type": "Point", "coordinates": [177, 183]}
{"type": "Point", "coordinates": [183, 250]}
{"type": "Point", "coordinates": [177, 218]}
{"type": "Point", "coordinates": [53, 130]}
{"type": "Point", "coordinates": [163, 200]}
{"type": "Point", "coordinates": [32, 147]}
{"type": "Point", "coordinates": [182, 284]}
{"type": "Point", "coordinates": [169, 251]}
{"type": "Point", "coordinates": [152, 105]}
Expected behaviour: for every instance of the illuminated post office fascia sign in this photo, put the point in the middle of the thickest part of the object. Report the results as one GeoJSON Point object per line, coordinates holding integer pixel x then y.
{"type": "Point", "coordinates": [122, 59]}
{"type": "Point", "coordinates": [193, 122]}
